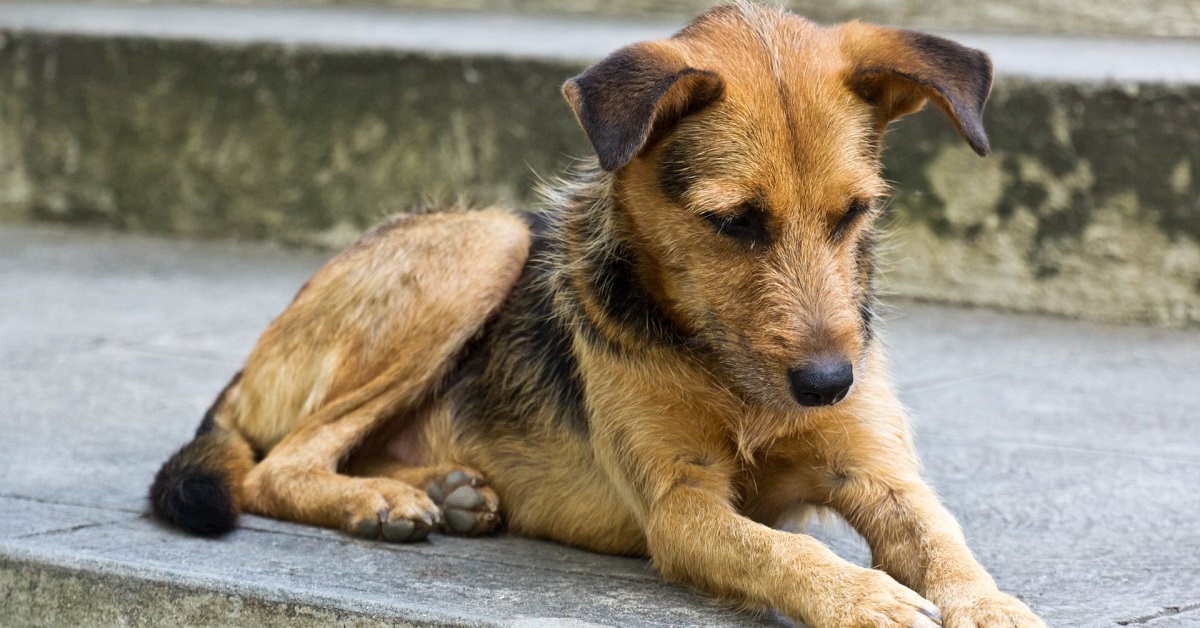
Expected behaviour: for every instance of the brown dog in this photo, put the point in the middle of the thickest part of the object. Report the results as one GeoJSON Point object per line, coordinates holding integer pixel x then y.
{"type": "Point", "coordinates": [686, 356]}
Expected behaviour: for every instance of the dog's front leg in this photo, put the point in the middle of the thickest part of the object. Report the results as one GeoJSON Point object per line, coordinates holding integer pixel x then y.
{"type": "Point", "coordinates": [694, 536]}
{"type": "Point", "coordinates": [878, 489]}
{"type": "Point", "coordinates": [914, 538]}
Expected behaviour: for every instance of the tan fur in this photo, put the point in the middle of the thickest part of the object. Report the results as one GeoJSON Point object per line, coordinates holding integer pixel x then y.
{"type": "Point", "coordinates": [381, 322]}
{"type": "Point", "coordinates": [683, 450]}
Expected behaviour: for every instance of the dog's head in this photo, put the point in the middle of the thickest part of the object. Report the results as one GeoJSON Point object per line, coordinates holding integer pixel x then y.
{"type": "Point", "coordinates": [746, 154]}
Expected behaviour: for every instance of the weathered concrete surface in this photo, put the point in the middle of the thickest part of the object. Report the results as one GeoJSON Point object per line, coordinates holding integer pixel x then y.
{"type": "Point", "coordinates": [1069, 451]}
{"type": "Point", "coordinates": [1176, 18]}
{"type": "Point", "coordinates": [1090, 206]}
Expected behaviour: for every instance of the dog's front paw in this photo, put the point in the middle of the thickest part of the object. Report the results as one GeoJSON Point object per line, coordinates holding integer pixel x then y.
{"type": "Point", "coordinates": [989, 610]}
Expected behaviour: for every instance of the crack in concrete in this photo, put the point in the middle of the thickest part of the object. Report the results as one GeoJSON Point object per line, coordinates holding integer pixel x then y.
{"type": "Point", "coordinates": [55, 502]}
{"type": "Point", "coordinates": [68, 530]}
{"type": "Point", "coordinates": [1166, 611]}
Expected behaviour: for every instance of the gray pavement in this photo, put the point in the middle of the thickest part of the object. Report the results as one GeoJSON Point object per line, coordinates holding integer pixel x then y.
{"type": "Point", "coordinates": [1070, 452]}
{"type": "Point", "coordinates": [533, 36]}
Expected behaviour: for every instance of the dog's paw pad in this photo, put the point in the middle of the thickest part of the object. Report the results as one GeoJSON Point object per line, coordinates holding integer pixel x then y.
{"type": "Point", "coordinates": [464, 498]}
{"type": "Point", "coordinates": [367, 528]}
{"type": "Point", "coordinates": [469, 508]}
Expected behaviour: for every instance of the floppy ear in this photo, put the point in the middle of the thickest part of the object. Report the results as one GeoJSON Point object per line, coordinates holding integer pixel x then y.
{"type": "Point", "coordinates": [630, 100]}
{"type": "Point", "coordinates": [896, 71]}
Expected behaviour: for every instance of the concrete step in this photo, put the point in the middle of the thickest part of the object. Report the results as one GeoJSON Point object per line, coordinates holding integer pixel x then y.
{"type": "Point", "coordinates": [1170, 18]}
{"type": "Point", "coordinates": [1067, 450]}
{"type": "Point", "coordinates": [307, 124]}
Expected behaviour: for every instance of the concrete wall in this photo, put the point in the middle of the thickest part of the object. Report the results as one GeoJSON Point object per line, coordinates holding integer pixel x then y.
{"type": "Point", "coordinates": [1172, 18]}
{"type": "Point", "coordinates": [1089, 207]}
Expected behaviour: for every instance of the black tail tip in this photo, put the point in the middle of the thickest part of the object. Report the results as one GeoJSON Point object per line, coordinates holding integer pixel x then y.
{"type": "Point", "coordinates": [200, 502]}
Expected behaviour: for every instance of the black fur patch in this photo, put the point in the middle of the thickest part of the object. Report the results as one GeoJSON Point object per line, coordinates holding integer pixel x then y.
{"type": "Point", "coordinates": [618, 101]}
{"type": "Point", "coordinates": [748, 227]}
{"type": "Point", "coordinates": [864, 258]}
{"type": "Point", "coordinates": [675, 174]}
{"type": "Point", "coordinates": [191, 491]}
{"type": "Point", "coordinates": [857, 209]}
{"type": "Point", "coordinates": [866, 313]}
{"type": "Point", "coordinates": [188, 493]}
{"type": "Point", "coordinates": [523, 364]}
{"type": "Point", "coordinates": [960, 78]}
{"type": "Point", "coordinates": [622, 297]}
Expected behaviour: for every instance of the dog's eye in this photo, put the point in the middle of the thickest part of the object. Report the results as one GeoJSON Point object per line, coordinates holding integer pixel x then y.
{"type": "Point", "coordinates": [857, 209]}
{"type": "Point", "coordinates": [748, 226]}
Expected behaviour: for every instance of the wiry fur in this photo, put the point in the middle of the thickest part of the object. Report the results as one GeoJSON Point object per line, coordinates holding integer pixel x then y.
{"type": "Point", "coordinates": [614, 372]}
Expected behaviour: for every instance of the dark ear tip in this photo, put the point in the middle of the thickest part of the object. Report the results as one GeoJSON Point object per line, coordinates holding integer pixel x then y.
{"type": "Point", "coordinates": [980, 144]}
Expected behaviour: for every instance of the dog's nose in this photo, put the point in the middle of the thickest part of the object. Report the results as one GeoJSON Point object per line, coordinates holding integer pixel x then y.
{"type": "Point", "coordinates": [824, 382]}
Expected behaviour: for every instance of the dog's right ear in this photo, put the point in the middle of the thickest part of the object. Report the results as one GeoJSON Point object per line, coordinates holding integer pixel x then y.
{"type": "Point", "coordinates": [629, 101]}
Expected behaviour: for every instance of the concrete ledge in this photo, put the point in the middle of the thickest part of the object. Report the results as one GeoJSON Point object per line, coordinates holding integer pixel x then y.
{"type": "Point", "coordinates": [38, 593]}
{"type": "Point", "coordinates": [273, 574]}
{"type": "Point", "coordinates": [1090, 206]}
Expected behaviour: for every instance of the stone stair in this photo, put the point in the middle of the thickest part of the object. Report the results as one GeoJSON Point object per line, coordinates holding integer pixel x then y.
{"type": "Point", "coordinates": [307, 123]}
{"type": "Point", "coordinates": [1063, 447]}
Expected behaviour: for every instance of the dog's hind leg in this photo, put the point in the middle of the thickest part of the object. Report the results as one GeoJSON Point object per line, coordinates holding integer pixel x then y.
{"type": "Point", "coordinates": [299, 480]}
{"type": "Point", "coordinates": [365, 345]}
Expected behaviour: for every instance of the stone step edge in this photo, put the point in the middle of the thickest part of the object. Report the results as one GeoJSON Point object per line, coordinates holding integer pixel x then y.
{"type": "Point", "coordinates": [562, 38]}
{"type": "Point", "coordinates": [51, 589]}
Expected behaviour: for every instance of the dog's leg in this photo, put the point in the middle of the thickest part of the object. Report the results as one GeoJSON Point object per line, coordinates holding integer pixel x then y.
{"type": "Point", "coordinates": [678, 477]}
{"type": "Point", "coordinates": [299, 481]}
{"type": "Point", "coordinates": [367, 344]}
{"type": "Point", "coordinates": [694, 536]}
{"type": "Point", "coordinates": [877, 487]}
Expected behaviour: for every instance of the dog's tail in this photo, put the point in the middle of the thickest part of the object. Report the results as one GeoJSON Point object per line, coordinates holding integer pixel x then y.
{"type": "Point", "coordinates": [197, 488]}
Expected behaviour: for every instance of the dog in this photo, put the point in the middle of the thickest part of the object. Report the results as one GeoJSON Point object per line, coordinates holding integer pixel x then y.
{"type": "Point", "coordinates": [672, 355]}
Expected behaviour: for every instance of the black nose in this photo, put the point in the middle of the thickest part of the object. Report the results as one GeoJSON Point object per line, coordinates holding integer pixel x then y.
{"type": "Point", "coordinates": [824, 382]}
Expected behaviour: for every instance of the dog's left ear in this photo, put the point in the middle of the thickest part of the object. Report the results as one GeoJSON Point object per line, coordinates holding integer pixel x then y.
{"type": "Point", "coordinates": [896, 71]}
{"type": "Point", "coordinates": [628, 101]}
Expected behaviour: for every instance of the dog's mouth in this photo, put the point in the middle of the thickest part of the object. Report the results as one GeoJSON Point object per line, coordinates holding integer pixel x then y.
{"type": "Point", "coordinates": [761, 379]}
{"type": "Point", "coordinates": [747, 371]}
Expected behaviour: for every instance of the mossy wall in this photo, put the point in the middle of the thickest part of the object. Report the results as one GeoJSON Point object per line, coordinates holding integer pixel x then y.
{"type": "Point", "coordinates": [1089, 207]}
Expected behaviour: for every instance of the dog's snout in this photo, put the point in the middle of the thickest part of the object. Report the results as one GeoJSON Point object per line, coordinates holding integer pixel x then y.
{"type": "Point", "coordinates": [823, 382]}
